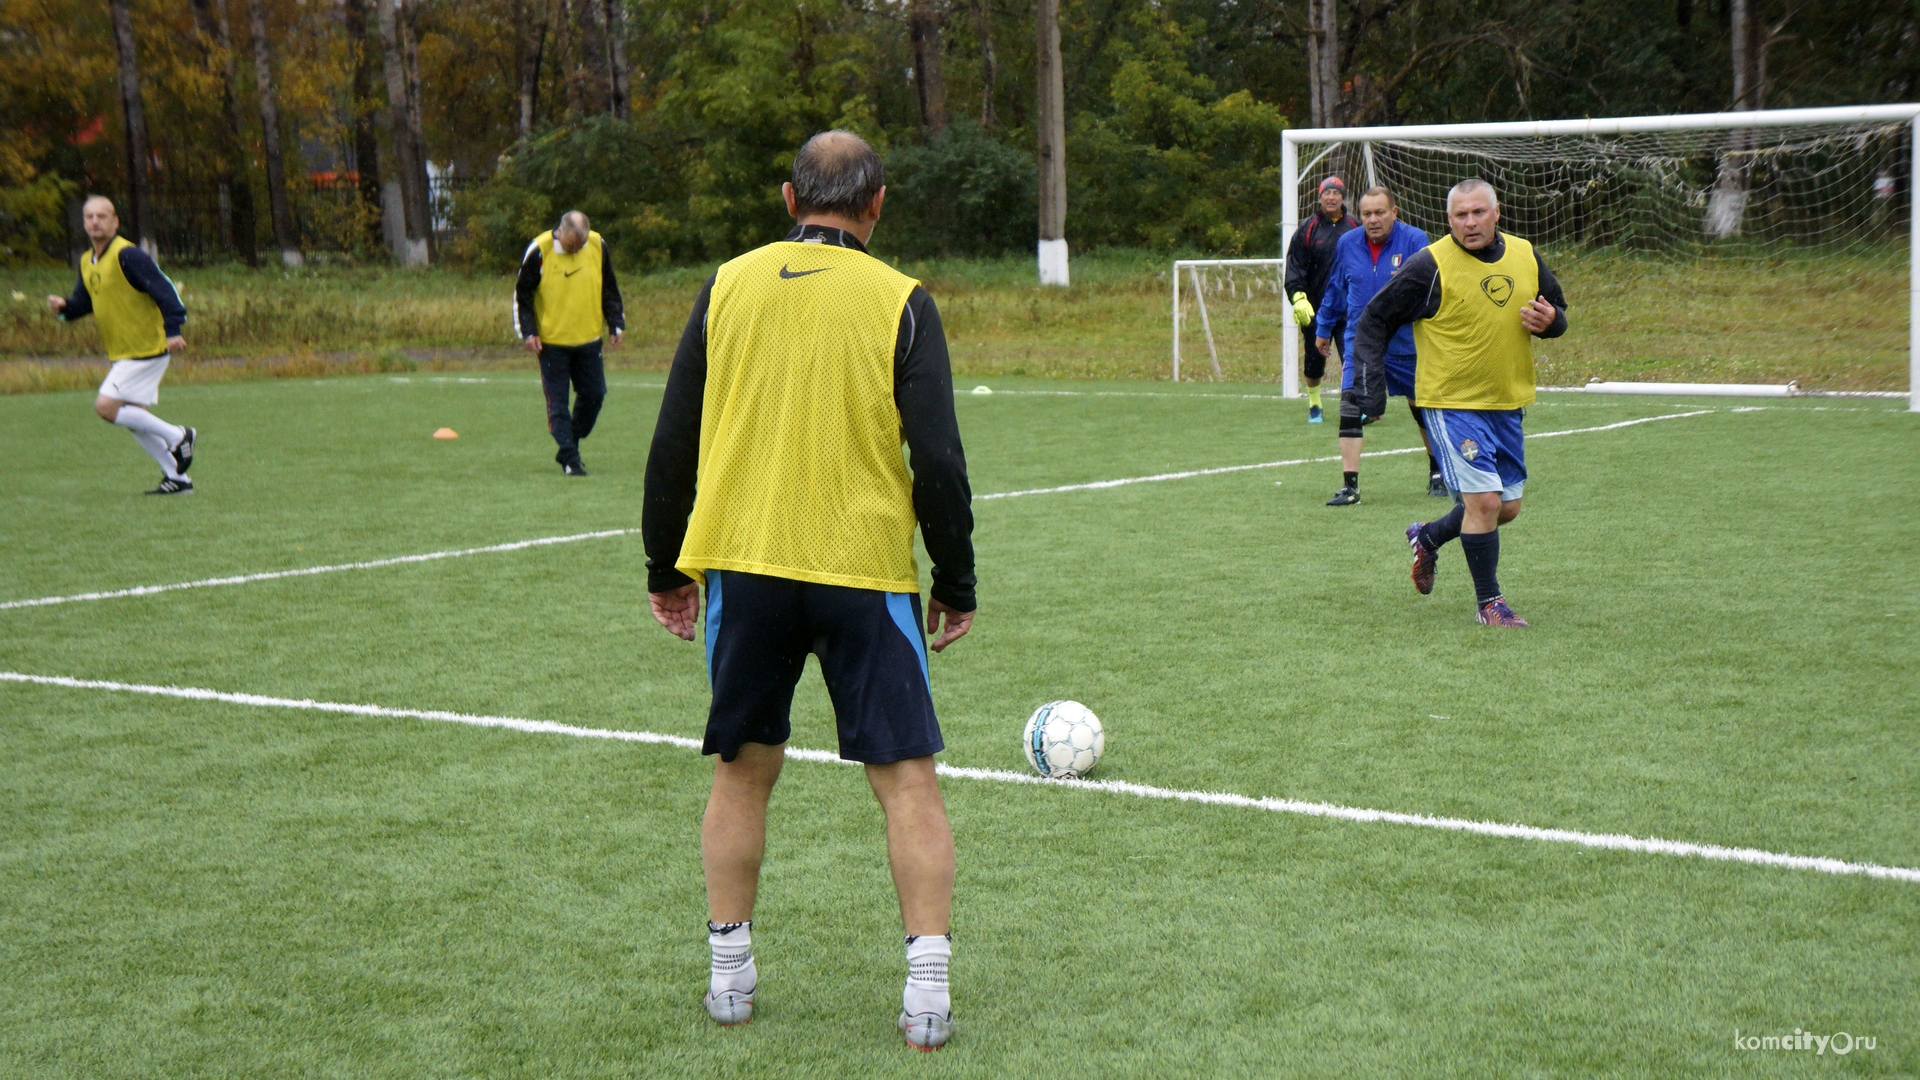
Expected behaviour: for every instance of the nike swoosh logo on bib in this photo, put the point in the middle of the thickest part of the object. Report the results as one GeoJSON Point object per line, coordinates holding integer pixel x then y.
{"type": "Point", "coordinates": [786, 273]}
{"type": "Point", "coordinates": [572, 272]}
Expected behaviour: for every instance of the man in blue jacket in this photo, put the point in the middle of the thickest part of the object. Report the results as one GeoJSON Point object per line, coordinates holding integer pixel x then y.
{"type": "Point", "coordinates": [1363, 261]}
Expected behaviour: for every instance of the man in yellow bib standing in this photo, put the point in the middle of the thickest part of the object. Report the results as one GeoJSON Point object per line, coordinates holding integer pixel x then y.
{"type": "Point", "coordinates": [776, 479]}
{"type": "Point", "coordinates": [1476, 299]}
{"type": "Point", "coordinates": [140, 316]}
{"type": "Point", "coordinates": [564, 298]}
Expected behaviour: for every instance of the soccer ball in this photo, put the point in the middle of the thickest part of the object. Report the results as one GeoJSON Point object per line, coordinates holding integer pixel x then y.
{"type": "Point", "coordinates": [1063, 740]}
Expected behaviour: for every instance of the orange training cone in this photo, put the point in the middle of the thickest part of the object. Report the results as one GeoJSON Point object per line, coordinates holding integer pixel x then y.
{"type": "Point", "coordinates": [446, 433]}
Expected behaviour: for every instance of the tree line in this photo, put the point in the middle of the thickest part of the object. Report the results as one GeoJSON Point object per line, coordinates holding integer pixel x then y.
{"type": "Point", "coordinates": [427, 130]}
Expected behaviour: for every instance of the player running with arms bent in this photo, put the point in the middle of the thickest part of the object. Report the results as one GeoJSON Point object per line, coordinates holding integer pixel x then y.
{"type": "Point", "coordinates": [1474, 378]}
{"type": "Point", "coordinates": [140, 316]}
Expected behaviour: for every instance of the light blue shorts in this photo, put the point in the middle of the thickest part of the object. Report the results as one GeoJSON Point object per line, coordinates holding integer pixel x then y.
{"type": "Point", "coordinates": [1480, 449]}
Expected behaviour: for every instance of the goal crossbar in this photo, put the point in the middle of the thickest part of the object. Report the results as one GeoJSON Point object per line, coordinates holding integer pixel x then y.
{"type": "Point", "coordinates": [1909, 113]}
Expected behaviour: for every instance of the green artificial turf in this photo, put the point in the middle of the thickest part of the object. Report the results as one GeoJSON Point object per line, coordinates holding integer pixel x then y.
{"type": "Point", "coordinates": [1724, 651]}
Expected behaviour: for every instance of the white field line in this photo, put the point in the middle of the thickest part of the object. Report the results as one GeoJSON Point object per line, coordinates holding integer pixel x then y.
{"type": "Point", "coordinates": [144, 590]}
{"type": "Point", "coordinates": [1097, 484]}
{"type": "Point", "coordinates": [1606, 841]}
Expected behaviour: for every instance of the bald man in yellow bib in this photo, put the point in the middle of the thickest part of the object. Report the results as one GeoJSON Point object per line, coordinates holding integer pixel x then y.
{"type": "Point", "coordinates": [140, 317]}
{"type": "Point", "coordinates": [566, 302]}
{"type": "Point", "coordinates": [776, 480]}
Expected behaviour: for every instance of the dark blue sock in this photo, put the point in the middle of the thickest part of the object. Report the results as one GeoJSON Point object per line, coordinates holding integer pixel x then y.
{"type": "Point", "coordinates": [1442, 529]}
{"type": "Point", "coordinates": [1483, 562]}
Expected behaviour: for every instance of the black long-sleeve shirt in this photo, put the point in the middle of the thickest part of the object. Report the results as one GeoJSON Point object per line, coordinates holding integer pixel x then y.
{"type": "Point", "coordinates": [143, 274]}
{"type": "Point", "coordinates": [526, 325]}
{"type": "Point", "coordinates": [922, 391]}
{"type": "Point", "coordinates": [1310, 254]}
{"type": "Point", "coordinates": [1414, 293]}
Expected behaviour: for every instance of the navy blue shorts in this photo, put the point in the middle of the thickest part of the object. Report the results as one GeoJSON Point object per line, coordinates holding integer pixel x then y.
{"type": "Point", "coordinates": [759, 632]}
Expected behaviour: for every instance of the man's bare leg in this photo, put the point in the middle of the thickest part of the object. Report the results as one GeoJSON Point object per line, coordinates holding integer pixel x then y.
{"type": "Point", "coordinates": [920, 850]}
{"type": "Point", "coordinates": [919, 842]}
{"type": "Point", "coordinates": [733, 835]}
{"type": "Point", "coordinates": [733, 840]}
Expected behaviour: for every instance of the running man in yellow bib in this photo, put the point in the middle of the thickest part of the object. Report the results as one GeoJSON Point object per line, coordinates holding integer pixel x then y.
{"type": "Point", "coordinates": [776, 479]}
{"type": "Point", "coordinates": [1476, 299]}
{"type": "Point", "coordinates": [140, 316]}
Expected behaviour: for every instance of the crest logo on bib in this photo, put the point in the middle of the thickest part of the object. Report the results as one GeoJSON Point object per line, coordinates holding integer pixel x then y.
{"type": "Point", "coordinates": [1498, 287]}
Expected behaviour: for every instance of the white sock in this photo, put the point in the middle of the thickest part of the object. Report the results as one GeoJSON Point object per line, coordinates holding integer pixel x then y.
{"type": "Point", "coordinates": [733, 969]}
{"type": "Point", "coordinates": [135, 418]}
{"type": "Point", "coordinates": [156, 448]}
{"type": "Point", "coordinates": [927, 958]}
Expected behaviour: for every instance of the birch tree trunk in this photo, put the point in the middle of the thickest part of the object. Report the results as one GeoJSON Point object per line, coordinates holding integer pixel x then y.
{"type": "Point", "coordinates": [1051, 128]}
{"type": "Point", "coordinates": [415, 228]}
{"type": "Point", "coordinates": [923, 25]}
{"type": "Point", "coordinates": [366, 139]}
{"type": "Point", "coordinates": [989, 64]}
{"type": "Point", "coordinates": [533, 47]}
{"type": "Point", "coordinates": [284, 235]}
{"type": "Point", "coordinates": [139, 154]}
{"type": "Point", "coordinates": [416, 120]}
{"type": "Point", "coordinates": [237, 224]}
{"type": "Point", "coordinates": [619, 75]}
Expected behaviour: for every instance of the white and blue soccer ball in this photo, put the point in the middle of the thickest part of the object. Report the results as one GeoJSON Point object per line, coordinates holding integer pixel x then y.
{"type": "Point", "coordinates": [1063, 740]}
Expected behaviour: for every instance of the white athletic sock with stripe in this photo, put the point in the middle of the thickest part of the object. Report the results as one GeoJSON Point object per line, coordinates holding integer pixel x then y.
{"type": "Point", "coordinates": [927, 959]}
{"type": "Point", "coordinates": [732, 947]}
{"type": "Point", "coordinates": [135, 418]}
{"type": "Point", "coordinates": [157, 449]}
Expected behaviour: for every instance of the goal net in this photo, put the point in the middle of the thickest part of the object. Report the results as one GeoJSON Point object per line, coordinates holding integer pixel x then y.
{"type": "Point", "coordinates": [1752, 252]}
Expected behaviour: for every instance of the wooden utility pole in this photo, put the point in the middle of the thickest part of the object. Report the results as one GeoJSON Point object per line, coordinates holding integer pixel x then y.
{"type": "Point", "coordinates": [284, 234]}
{"type": "Point", "coordinates": [1051, 128]}
{"type": "Point", "coordinates": [139, 154]}
{"type": "Point", "coordinates": [1727, 205]}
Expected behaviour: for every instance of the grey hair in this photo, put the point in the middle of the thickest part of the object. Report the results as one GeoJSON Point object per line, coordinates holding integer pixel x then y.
{"type": "Point", "coordinates": [1470, 185]}
{"type": "Point", "coordinates": [575, 222]}
{"type": "Point", "coordinates": [836, 172]}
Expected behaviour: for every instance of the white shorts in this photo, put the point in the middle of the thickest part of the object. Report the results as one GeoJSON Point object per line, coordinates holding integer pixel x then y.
{"type": "Point", "coordinates": [136, 382]}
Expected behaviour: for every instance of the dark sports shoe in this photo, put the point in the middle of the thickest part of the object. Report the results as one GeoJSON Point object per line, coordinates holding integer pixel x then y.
{"type": "Point", "coordinates": [1437, 486]}
{"type": "Point", "coordinates": [170, 486]}
{"type": "Point", "coordinates": [1423, 560]}
{"type": "Point", "coordinates": [1346, 496]}
{"type": "Point", "coordinates": [1314, 414]}
{"type": "Point", "coordinates": [573, 468]}
{"type": "Point", "coordinates": [1495, 612]}
{"type": "Point", "coordinates": [183, 453]}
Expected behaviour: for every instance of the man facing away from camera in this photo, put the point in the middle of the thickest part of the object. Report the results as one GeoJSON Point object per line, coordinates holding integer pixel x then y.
{"type": "Point", "coordinates": [776, 480]}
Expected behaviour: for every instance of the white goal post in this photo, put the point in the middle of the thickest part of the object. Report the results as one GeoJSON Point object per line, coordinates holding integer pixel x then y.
{"type": "Point", "coordinates": [1734, 194]}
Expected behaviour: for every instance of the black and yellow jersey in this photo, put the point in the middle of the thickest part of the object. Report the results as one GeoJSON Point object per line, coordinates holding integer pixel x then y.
{"type": "Point", "coordinates": [1477, 356]}
{"type": "Point", "coordinates": [136, 305]}
{"type": "Point", "coordinates": [777, 450]}
{"type": "Point", "coordinates": [566, 298]}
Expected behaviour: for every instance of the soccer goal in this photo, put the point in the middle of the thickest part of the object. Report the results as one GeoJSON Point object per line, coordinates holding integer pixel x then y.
{"type": "Point", "coordinates": [1734, 253]}
{"type": "Point", "coordinates": [1238, 304]}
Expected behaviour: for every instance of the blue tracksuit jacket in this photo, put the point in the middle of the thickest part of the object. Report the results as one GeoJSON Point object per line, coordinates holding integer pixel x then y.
{"type": "Point", "coordinates": [1356, 277]}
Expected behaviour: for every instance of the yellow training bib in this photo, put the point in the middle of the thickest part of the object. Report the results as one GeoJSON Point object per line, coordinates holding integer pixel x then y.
{"type": "Point", "coordinates": [566, 307]}
{"type": "Point", "coordinates": [801, 472]}
{"type": "Point", "coordinates": [131, 326]}
{"type": "Point", "coordinates": [1473, 353]}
